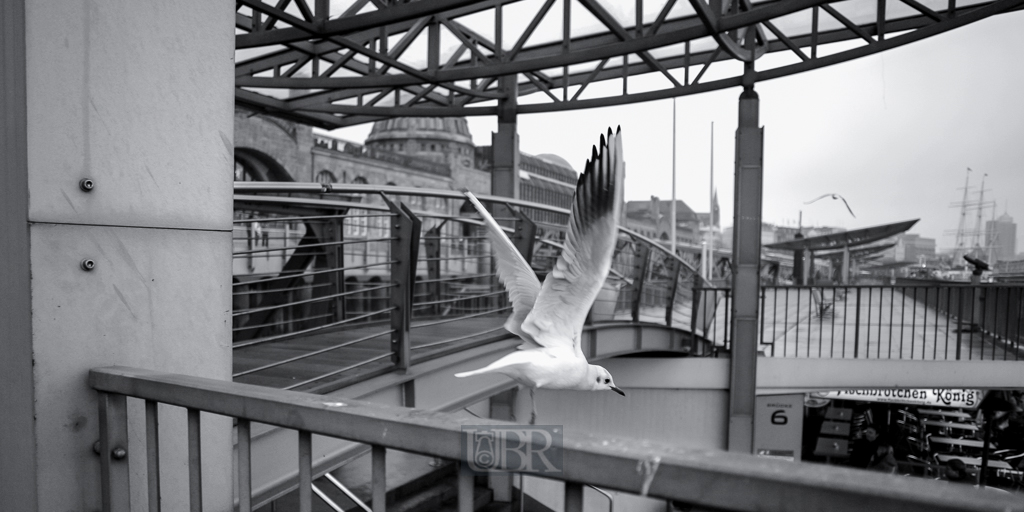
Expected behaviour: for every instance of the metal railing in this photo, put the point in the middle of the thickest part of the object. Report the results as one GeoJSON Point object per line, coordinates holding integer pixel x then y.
{"type": "Point", "coordinates": [933, 321]}
{"type": "Point", "coordinates": [373, 278]}
{"type": "Point", "coordinates": [704, 478]}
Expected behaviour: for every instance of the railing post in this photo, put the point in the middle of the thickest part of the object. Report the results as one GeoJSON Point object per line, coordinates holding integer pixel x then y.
{"type": "Point", "coordinates": [465, 487]}
{"type": "Point", "coordinates": [856, 327]}
{"type": "Point", "coordinates": [114, 485]}
{"type": "Point", "coordinates": [432, 249]}
{"type": "Point", "coordinates": [336, 261]}
{"type": "Point", "coordinates": [524, 235]}
{"type": "Point", "coordinates": [641, 263]}
{"type": "Point", "coordinates": [672, 268]}
{"type": "Point", "coordinates": [698, 296]}
{"type": "Point", "coordinates": [573, 497]}
{"type": "Point", "coordinates": [405, 234]}
{"type": "Point", "coordinates": [378, 470]}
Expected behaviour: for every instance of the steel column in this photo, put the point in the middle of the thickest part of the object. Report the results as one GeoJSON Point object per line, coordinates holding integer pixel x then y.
{"type": "Point", "coordinates": [746, 257]}
{"type": "Point", "coordinates": [505, 143]}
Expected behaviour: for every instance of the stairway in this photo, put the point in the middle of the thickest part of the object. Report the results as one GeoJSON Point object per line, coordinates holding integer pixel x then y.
{"type": "Point", "coordinates": [415, 484]}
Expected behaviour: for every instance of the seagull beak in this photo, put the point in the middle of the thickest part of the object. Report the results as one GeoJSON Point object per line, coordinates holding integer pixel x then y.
{"type": "Point", "coordinates": [619, 391]}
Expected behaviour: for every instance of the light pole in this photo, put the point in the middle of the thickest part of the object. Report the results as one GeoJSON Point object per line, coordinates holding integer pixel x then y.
{"type": "Point", "coordinates": [846, 247]}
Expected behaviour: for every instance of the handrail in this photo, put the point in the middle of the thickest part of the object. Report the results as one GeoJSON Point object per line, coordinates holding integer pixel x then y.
{"type": "Point", "coordinates": [705, 478]}
{"type": "Point", "coordinates": [330, 254]}
{"type": "Point", "coordinates": [319, 188]}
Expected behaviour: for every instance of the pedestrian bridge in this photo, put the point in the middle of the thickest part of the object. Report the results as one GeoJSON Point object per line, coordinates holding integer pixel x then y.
{"type": "Point", "coordinates": [381, 294]}
{"type": "Point", "coordinates": [335, 284]}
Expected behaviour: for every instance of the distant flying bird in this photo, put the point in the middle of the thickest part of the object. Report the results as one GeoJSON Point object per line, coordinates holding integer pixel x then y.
{"type": "Point", "coordinates": [550, 318]}
{"type": "Point", "coordinates": [834, 196]}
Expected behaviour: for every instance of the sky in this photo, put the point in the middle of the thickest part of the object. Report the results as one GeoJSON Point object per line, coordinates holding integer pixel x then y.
{"type": "Point", "coordinates": [893, 133]}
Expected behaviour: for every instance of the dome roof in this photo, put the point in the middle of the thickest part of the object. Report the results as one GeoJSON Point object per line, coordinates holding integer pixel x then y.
{"type": "Point", "coordinates": [452, 129]}
{"type": "Point", "coordinates": [555, 160]}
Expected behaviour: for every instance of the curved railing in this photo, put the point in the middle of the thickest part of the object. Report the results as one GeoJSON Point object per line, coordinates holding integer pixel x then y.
{"type": "Point", "coordinates": [377, 277]}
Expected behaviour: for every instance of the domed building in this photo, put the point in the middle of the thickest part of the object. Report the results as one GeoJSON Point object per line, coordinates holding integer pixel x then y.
{"type": "Point", "coordinates": [426, 152]}
{"type": "Point", "coordinates": [444, 140]}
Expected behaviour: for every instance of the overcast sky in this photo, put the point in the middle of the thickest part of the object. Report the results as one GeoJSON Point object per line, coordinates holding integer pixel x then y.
{"type": "Point", "coordinates": [893, 133]}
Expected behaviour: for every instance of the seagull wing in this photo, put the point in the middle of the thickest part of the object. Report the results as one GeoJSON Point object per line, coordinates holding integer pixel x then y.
{"type": "Point", "coordinates": [571, 287]}
{"type": "Point", "coordinates": [847, 206]}
{"type": "Point", "coordinates": [817, 198]}
{"type": "Point", "coordinates": [519, 279]}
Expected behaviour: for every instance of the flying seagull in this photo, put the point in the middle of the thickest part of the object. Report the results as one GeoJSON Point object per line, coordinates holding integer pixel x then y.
{"type": "Point", "coordinates": [550, 318]}
{"type": "Point", "coordinates": [834, 196]}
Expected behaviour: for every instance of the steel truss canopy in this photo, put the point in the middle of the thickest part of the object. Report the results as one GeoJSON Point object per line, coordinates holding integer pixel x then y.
{"type": "Point", "coordinates": [335, 63]}
{"type": "Point", "coordinates": [852, 238]}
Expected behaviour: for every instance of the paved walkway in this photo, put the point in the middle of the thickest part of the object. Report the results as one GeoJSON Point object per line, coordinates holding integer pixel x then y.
{"type": "Point", "coordinates": [360, 359]}
{"type": "Point", "coordinates": [887, 325]}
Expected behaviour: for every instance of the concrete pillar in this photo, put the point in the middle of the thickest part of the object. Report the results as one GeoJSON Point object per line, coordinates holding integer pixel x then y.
{"type": "Point", "coordinates": [746, 256]}
{"type": "Point", "coordinates": [138, 98]}
{"type": "Point", "coordinates": [505, 143]}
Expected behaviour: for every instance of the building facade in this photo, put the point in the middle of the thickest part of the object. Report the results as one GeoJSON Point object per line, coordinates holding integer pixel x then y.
{"type": "Point", "coordinates": [1001, 237]}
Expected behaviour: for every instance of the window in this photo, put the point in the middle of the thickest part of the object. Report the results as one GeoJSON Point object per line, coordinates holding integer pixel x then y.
{"type": "Point", "coordinates": [325, 177]}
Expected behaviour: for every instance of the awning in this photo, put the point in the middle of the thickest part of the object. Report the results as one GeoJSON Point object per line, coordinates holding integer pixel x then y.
{"type": "Point", "coordinates": [852, 238]}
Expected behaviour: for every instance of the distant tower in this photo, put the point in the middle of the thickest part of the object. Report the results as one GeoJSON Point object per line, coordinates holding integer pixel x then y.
{"type": "Point", "coordinates": [958, 246]}
{"type": "Point", "coordinates": [1001, 236]}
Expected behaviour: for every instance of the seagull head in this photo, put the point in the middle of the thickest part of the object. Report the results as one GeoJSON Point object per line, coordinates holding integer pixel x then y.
{"type": "Point", "coordinates": [600, 379]}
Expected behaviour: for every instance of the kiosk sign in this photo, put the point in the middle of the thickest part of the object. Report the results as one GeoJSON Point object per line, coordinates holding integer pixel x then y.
{"type": "Point", "coordinates": [959, 398]}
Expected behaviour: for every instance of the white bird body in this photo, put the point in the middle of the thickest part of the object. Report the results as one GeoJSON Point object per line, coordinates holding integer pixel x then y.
{"type": "Point", "coordinates": [553, 368]}
{"type": "Point", "coordinates": [550, 318]}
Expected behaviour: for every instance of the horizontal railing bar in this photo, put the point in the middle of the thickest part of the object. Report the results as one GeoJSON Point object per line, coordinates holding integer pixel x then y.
{"type": "Point", "coordinates": [443, 301]}
{"type": "Point", "coordinates": [453, 340]}
{"type": "Point", "coordinates": [317, 188]}
{"type": "Point", "coordinates": [307, 331]}
{"type": "Point", "coordinates": [311, 286]}
{"type": "Point", "coordinates": [311, 354]}
{"type": "Point", "coordinates": [248, 237]}
{"type": "Point", "coordinates": [319, 244]}
{"type": "Point", "coordinates": [336, 372]}
{"type": "Point", "coordinates": [701, 477]}
{"type": "Point", "coordinates": [463, 317]}
{"type": "Point", "coordinates": [455, 258]}
{"type": "Point", "coordinates": [307, 202]}
{"type": "Point", "coordinates": [280, 322]}
{"type": "Point", "coordinates": [238, 254]}
{"type": "Point", "coordinates": [454, 278]}
{"type": "Point", "coordinates": [368, 265]}
{"type": "Point", "coordinates": [455, 237]}
{"type": "Point", "coordinates": [287, 219]}
{"type": "Point", "coordinates": [314, 299]}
